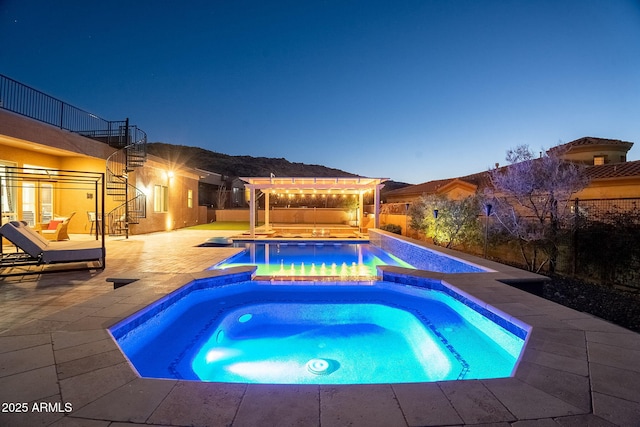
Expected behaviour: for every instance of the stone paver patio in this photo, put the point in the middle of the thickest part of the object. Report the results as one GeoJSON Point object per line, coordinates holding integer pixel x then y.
{"type": "Point", "coordinates": [577, 370]}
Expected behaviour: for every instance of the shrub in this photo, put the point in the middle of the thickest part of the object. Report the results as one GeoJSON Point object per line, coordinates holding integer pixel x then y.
{"type": "Point", "coordinates": [455, 223]}
{"type": "Point", "coordinates": [392, 228]}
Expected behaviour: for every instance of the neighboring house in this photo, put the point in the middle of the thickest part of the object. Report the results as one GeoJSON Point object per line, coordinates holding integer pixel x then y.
{"type": "Point", "coordinates": [611, 175]}
{"type": "Point", "coordinates": [613, 181]}
{"type": "Point", "coordinates": [166, 195]}
{"type": "Point", "coordinates": [210, 187]}
{"type": "Point", "coordinates": [238, 196]}
{"type": "Point", "coordinates": [595, 151]}
{"type": "Point", "coordinates": [454, 188]}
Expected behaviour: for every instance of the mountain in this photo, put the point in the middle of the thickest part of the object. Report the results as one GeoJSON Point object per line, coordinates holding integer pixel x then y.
{"type": "Point", "coordinates": [232, 166]}
{"type": "Point", "coordinates": [225, 164]}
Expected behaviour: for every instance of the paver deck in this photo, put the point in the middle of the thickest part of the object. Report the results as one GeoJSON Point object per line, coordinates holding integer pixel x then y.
{"type": "Point", "coordinates": [57, 358]}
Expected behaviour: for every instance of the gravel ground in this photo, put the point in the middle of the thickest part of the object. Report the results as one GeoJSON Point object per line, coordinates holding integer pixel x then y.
{"type": "Point", "coordinates": [616, 306]}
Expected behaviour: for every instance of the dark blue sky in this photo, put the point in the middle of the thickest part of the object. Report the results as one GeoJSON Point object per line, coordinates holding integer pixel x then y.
{"type": "Point", "coordinates": [408, 90]}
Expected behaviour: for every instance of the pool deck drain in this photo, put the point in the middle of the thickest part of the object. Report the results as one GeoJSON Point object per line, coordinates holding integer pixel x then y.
{"type": "Point", "coordinates": [54, 349]}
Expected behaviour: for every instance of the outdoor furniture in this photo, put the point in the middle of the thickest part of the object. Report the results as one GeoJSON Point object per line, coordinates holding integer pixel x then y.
{"type": "Point", "coordinates": [95, 223]}
{"type": "Point", "coordinates": [118, 225]}
{"type": "Point", "coordinates": [41, 251]}
{"type": "Point", "coordinates": [57, 228]}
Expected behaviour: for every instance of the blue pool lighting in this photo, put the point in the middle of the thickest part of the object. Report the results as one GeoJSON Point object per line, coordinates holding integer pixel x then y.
{"type": "Point", "coordinates": [329, 333]}
{"type": "Point", "coordinates": [344, 259]}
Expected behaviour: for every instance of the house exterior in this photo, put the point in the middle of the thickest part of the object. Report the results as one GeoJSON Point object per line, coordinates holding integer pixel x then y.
{"type": "Point", "coordinates": [611, 175]}
{"type": "Point", "coordinates": [167, 195]}
{"type": "Point", "coordinates": [613, 181]}
{"type": "Point", "coordinates": [595, 151]}
{"type": "Point", "coordinates": [453, 188]}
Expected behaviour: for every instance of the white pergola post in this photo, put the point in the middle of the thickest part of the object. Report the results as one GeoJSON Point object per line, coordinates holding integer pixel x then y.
{"type": "Point", "coordinates": [252, 211]}
{"type": "Point", "coordinates": [376, 197]}
{"type": "Point", "coordinates": [266, 211]}
{"type": "Point", "coordinates": [360, 210]}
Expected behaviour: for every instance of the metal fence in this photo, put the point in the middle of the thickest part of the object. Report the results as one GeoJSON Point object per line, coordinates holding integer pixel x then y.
{"type": "Point", "coordinates": [599, 241]}
{"type": "Point", "coordinates": [606, 241]}
{"type": "Point", "coordinates": [606, 211]}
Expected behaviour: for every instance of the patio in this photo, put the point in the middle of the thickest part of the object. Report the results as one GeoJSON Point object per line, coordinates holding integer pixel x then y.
{"type": "Point", "coordinates": [577, 369]}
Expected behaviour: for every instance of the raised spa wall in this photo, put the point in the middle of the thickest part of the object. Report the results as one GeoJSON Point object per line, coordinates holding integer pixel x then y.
{"type": "Point", "coordinates": [397, 275]}
{"type": "Point", "coordinates": [404, 277]}
{"type": "Point", "coordinates": [212, 279]}
{"type": "Point", "coordinates": [419, 255]}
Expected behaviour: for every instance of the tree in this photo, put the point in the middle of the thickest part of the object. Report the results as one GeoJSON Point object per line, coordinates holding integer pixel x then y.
{"type": "Point", "coordinates": [530, 199]}
{"type": "Point", "coordinates": [455, 222]}
{"type": "Point", "coordinates": [221, 196]}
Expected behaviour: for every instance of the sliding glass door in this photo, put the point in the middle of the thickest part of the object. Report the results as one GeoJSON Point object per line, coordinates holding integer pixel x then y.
{"type": "Point", "coordinates": [37, 202]}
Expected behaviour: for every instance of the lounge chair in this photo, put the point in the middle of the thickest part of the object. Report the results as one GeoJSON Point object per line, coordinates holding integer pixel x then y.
{"type": "Point", "coordinates": [57, 228]}
{"type": "Point", "coordinates": [41, 251]}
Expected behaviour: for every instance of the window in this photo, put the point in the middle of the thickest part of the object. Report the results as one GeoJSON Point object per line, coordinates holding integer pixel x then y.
{"type": "Point", "coordinates": [598, 160]}
{"type": "Point", "coordinates": [189, 198]}
{"type": "Point", "coordinates": [38, 197]}
{"type": "Point", "coordinates": [160, 198]}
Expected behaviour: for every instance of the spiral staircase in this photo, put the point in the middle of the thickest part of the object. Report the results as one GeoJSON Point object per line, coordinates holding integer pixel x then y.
{"type": "Point", "coordinates": [131, 143]}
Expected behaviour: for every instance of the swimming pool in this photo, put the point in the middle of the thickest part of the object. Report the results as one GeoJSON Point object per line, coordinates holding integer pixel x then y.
{"type": "Point", "coordinates": [298, 333]}
{"type": "Point", "coordinates": [312, 258]}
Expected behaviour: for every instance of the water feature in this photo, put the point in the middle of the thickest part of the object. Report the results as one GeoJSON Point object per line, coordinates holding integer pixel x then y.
{"type": "Point", "coordinates": [321, 258]}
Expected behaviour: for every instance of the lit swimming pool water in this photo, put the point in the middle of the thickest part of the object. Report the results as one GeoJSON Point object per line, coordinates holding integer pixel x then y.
{"type": "Point", "coordinates": [313, 259]}
{"type": "Point", "coordinates": [299, 333]}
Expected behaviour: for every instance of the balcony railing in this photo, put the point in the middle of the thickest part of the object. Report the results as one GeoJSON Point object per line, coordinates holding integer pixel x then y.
{"type": "Point", "coordinates": [27, 101]}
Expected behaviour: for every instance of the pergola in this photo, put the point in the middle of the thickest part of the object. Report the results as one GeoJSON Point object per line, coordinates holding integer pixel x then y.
{"type": "Point", "coordinates": [318, 185]}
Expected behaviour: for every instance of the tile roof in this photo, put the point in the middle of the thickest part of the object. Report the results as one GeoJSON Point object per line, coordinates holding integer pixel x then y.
{"type": "Point", "coordinates": [590, 140]}
{"type": "Point", "coordinates": [482, 180]}
{"type": "Point", "coordinates": [614, 170]}
{"type": "Point", "coordinates": [425, 187]}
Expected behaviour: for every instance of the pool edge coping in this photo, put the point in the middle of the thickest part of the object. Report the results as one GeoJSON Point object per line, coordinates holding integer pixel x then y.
{"type": "Point", "coordinates": [239, 275]}
{"type": "Point", "coordinates": [454, 280]}
{"type": "Point", "coordinates": [573, 321]}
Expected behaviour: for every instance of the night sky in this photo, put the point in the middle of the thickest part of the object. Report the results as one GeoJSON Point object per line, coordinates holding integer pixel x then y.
{"type": "Point", "coordinates": [407, 90]}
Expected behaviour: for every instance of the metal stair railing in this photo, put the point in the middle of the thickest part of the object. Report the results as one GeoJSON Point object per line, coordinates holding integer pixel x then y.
{"type": "Point", "coordinates": [127, 213]}
{"type": "Point", "coordinates": [119, 165]}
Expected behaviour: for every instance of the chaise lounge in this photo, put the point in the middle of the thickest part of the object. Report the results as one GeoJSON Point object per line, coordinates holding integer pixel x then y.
{"type": "Point", "coordinates": [38, 250]}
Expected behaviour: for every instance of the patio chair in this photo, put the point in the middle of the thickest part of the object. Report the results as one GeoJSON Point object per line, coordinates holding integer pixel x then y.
{"type": "Point", "coordinates": [42, 251]}
{"type": "Point", "coordinates": [57, 228]}
{"type": "Point", "coordinates": [118, 225]}
{"type": "Point", "coordinates": [95, 222]}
